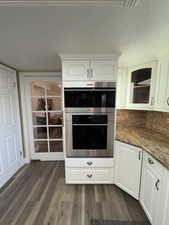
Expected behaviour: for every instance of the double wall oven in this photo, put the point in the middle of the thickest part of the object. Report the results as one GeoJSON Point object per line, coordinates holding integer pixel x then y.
{"type": "Point", "coordinates": [89, 119]}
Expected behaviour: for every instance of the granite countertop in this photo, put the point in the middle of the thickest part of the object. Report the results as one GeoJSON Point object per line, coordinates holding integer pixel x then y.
{"type": "Point", "coordinates": [152, 142]}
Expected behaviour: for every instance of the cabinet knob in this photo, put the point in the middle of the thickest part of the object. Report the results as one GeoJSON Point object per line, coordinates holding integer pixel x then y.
{"type": "Point", "coordinates": [150, 161]}
{"type": "Point", "coordinates": [89, 163]}
{"type": "Point", "coordinates": [168, 101]}
{"type": "Point", "coordinates": [156, 184]}
{"type": "Point", "coordinates": [89, 175]}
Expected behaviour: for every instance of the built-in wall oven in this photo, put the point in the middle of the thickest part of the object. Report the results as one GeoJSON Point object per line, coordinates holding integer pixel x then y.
{"type": "Point", "coordinates": [89, 119]}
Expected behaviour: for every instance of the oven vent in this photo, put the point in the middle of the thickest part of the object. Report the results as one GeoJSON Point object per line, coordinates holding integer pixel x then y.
{"type": "Point", "coordinates": [116, 3]}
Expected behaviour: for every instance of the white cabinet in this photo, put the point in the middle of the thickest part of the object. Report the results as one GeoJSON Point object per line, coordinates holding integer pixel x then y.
{"type": "Point", "coordinates": [162, 87]}
{"type": "Point", "coordinates": [89, 170]}
{"type": "Point", "coordinates": [128, 160]}
{"type": "Point", "coordinates": [141, 86]}
{"type": "Point", "coordinates": [103, 70]}
{"type": "Point", "coordinates": [121, 90]}
{"type": "Point", "coordinates": [165, 202]}
{"type": "Point", "coordinates": [89, 68]}
{"type": "Point", "coordinates": [151, 188]}
{"type": "Point", "coordinates": [75, 70]}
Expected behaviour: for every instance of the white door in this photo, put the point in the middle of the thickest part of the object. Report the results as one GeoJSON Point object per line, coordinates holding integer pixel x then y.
{"type": "Point", "coordinates": [75, 70]}
{"type": "Point", "coordinates": [45, 118]}
{"type": "Point", "coordinates": [128, 160]}
{"type": "Point", "coordinates": [11, 151]}
{"type": "Point", "coordinates": [162, 93]}
{"type": "Point", "coordinates": [103, 70]}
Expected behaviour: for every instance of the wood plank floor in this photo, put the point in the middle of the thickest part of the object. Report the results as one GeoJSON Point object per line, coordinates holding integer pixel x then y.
{"type": "Point", "coordinates": [39, 196]}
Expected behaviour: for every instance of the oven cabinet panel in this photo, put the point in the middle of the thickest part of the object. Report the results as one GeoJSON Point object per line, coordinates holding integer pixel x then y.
{"type": "Point", "coordinates": [89, 162]}
{"type": "Point", "coordinates": [103, 71]}
{"type": "Point", "coordinates": [128, 161]}
{"type": "Point", "coordinates": [89, 176]}
{"type": "Point", "coordinates": [75, 70]}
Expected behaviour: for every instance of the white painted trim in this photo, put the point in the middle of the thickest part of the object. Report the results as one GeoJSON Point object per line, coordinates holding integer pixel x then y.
{"type": "Point", "coordinates": [89, 57]}
{"type": "Point", "coordinates": [29, 3]}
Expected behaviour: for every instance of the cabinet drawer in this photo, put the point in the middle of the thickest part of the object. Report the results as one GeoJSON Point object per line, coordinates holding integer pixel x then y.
{"type": "Point", "coordinates": [152, 163]}
{"type": "Point", "coordinates": [89, 162]}
{"type": "Point", "coordinates": [89, 176]}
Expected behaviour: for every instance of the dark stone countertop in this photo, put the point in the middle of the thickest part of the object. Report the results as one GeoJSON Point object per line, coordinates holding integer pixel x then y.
{"type": "Point", "coordinates": [152, 142]}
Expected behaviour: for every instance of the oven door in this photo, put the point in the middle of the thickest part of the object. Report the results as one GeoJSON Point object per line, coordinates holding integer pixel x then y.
{"type": "Point", "coordinates": [89, 135]}
{"type": "Point", "coordinates": [89, 98]}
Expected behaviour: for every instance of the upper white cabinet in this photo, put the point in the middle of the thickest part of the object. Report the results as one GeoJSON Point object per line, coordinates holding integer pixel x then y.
{"type": "Point", "coordinates": [141, 86]}
{"type": "Point", "coordinates": [151, 188]}
{"type": "Point", "coordinates": [75, 70]}
{"type": "Point", "coordinates": [103, 70]}
{"type": "Point", "coordinates": [89, 68]}
{"type": "Point", "coordinates": [162, 87]}
{"type": "Point", "coordinates": [128, 161]}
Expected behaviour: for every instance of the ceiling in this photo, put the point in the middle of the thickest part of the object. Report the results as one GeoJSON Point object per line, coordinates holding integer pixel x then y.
{"type": "Point", "coordinates": [31, 38]}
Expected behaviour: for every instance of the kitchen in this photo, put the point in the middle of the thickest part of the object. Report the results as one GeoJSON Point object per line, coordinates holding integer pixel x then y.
{"type": "Point", "coordinates": [107, 120]}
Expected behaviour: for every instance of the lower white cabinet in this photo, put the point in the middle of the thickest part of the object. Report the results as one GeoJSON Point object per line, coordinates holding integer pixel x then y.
{"type": "Point", "coordinates": [128, 161]}
{"type": "Point", "coordinates": [152, 184]}
{"type": "Point", "coordinates": [89, 170]}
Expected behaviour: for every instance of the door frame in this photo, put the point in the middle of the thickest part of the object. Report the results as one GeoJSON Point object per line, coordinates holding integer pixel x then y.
{"type": "Point", "coordinates": [24, 78]}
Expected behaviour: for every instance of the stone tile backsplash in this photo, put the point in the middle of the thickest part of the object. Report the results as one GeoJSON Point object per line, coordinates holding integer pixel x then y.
{"type": "Point", "coordinates": [157, 121]}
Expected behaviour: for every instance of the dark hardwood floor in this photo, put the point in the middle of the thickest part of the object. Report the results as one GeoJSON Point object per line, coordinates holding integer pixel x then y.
{"type": "Point", "coordinates": [39, 196]}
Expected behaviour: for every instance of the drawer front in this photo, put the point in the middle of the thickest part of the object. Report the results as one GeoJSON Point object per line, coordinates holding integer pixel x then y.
{"type": "Point", "coordinates": [89, 162]}
{"type": "Point", "coordinates": [152, 163]}
{"type": "Point", "coordinates": [92, 176]}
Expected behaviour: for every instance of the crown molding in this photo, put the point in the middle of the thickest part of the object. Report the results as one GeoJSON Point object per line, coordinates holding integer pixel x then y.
{"type": "Point", "coordinates": [90, 56]}
{"type": "Point", "coordinates": [30, 3]}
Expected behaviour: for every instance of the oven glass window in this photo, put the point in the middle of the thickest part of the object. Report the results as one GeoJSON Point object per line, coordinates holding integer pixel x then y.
{"type": "Point", "coordinates": [89, 98]}
{"type": "Point", "coordinates": [89, 132]}
{"type": "Point", "coordinates": [89, 137]}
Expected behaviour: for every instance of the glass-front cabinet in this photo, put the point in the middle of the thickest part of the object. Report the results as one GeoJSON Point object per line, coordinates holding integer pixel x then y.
{"type": "Point", "coordinates": [141, 86]}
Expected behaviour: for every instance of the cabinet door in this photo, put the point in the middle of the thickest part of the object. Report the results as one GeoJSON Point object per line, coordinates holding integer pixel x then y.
{"type": "Point", "coordinates": [121, 88]}
{"type": "Point", "coordinates": [150, 187]}
{"type": "Point", "coordinates": [103, 71]}
{"type": "Point", "coordinates": [165, 208]}
{"type": "Point", "coordinates": [128, 161]}
{"type": "Point", "coordinates": [141, 86]}
{"type": "Point", "coordinates": [162, 93]}
{"type": "Point", "coordinates": [75, 70]}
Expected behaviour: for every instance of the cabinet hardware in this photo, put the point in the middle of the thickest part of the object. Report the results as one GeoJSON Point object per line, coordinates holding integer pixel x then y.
{"type": "Point", "coordinates": [152, 101]}
{"type": "Point", "coordinates": [139, 155]}
{"type": "Point", "coordinates": [89, 163]}
{"type": "Point", "coordinates": [88, 73]}
{"type": "Point", "coordinates": [89, 175]}
{"type": "Point", "coordinates": [168, 101]}
{"type": "Point", "coordinates": [150, 161]}
{"type": "Point", "coordinates": [156, 184]}
{"type": "Point", "coordinates": [91, 73]}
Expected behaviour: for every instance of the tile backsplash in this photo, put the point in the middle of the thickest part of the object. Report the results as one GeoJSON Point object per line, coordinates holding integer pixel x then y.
{"type": "Point", "coordinates": [131, 118]}
{"type": "Point", "coordinates": [157, 121]}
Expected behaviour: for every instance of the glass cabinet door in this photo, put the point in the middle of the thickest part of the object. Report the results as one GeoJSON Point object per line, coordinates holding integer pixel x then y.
{"type": "Point", "coordinates": [140, 85]}
{"type": "Point", "coordinates": [47, 118]}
